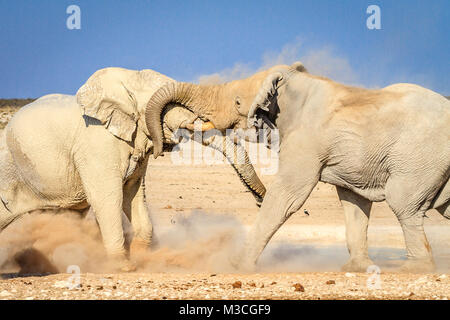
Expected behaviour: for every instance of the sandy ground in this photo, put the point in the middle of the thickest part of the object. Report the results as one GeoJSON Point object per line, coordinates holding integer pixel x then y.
{"type": "Point", "coordinates": [307, 250]}
{"type": "Point", "coordinates": [327, 285]}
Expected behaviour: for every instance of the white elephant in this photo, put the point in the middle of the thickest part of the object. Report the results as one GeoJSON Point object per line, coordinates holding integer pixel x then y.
{"type": "Point", "coordinates": [390, 144]}
{"type": "Point", "coordinates": [92, 151]}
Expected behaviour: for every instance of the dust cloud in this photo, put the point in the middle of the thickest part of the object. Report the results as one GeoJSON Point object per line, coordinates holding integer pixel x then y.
{"type": "Point", "coordinates": [193, 243]}
{"type": "Point", "coordinates": [320, 61]}
{"type": "Point", "coordinates": [50, 243]}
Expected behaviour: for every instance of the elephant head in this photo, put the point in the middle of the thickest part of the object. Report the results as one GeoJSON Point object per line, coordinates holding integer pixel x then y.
{"type": "Point", "coordinates": [224, 106]}
{"type": "Point", "coordinates": [258, 112]}
{"type": "Point", "coordinates": [117, 98]}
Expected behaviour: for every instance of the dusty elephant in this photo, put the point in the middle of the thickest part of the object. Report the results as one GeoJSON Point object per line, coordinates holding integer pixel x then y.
{"type": "Point", "coordinates": [390, 144]}
{"type": "Point", "coordinates": [92, 151]}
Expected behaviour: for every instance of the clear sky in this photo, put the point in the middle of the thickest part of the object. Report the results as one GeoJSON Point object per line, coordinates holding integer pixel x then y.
{"type": "Point", "coordinates": [186, 39]}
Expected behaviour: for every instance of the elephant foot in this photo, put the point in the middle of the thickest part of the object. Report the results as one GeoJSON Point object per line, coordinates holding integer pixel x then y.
{"type": "Point", "coordinates": [242, 265]}
{"type": "Point", "coordinates": [357, 264]}
{"type": "Point", "coordinates": [138, 248]}
{"type": "Point", "coordinates": [128, 266]}
{"type": "Point", "coordinates": [122, 264]}
{"type": "Point", "coordinates": [234, 262]}
{"type": "Point", "coordinates": [418, 266]}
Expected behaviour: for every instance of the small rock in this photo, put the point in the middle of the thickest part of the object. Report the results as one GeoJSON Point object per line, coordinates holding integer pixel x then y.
{"type": "Point", "coordinates": [331, 282]}
{"type": "Point", "coordinates": [99, 287]}
{"type": "Point", "coordinates": [274, 282]}
{"type": "Point", "coordinates": [168, 207]}
{"type": "Point", "coordinates": [4, 293]}
{"type": "Point", "coordinates": [299, 287]}
{"type": "Point", "coordinates": [252, 284]}
{"type": "Point", "coordinates": [60, 284]}
{"type": "Point", "coordinates": [350, 275]}
{"type": "Point", "coordinates": [237, 285]}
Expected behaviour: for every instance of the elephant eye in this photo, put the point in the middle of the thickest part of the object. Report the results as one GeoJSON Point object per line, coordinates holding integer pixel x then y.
{"type": "Point", "coordinates": [238, 100]}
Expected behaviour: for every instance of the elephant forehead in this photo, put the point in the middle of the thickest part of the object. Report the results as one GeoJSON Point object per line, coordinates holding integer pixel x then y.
{"type": "Point", "coordinates": [148, 80]}
{"type": "Point", "coordinates": [90, 94]}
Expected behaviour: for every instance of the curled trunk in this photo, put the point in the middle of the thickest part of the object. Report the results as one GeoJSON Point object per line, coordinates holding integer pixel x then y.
{"type": "Point", "coordinates": [189, 95]}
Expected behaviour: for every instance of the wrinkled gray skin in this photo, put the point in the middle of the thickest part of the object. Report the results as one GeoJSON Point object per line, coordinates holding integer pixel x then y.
{"type": "Point", "coordinates": [391, 144]}
{"type": "Point", "coordinates": [92, 151]}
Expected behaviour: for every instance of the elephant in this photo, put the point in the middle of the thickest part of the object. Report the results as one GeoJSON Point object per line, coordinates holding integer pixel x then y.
{"type": "Point", "coordinates": [390, 144]}
{"type": "Point", "coordinates": [91, 151]}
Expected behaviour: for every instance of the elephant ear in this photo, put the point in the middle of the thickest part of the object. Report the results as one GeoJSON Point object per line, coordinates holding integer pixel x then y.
{"type": "Point", "coordinates": [298, 66]}
{"type": "Point", "coordinates": [105, 98]}
{"type": "Point", "coordinates": [271, 84]}
{"type": "Point", "coordinates": [263, 97]}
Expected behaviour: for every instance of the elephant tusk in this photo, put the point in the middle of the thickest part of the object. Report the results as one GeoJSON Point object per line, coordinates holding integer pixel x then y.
{"type": "Point", "coordinates": [204, 127]}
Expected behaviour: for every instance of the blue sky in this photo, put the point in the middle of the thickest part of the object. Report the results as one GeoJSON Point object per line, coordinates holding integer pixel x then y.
{"type": "Point", "coordinates": [190, 38]}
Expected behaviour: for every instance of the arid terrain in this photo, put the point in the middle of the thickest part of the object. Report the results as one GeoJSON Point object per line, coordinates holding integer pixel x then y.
{"type": "Point", "coordinates": [200, 214]}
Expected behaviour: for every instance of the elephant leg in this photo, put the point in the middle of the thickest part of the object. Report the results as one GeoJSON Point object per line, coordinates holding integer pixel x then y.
{"type": "Point", "coordinates": [442, 201]}
{"type": "Point", "coordinates": [286, 194]}
{"type": "Point", "coordinates": [103, 189]}
{"type": "Point", "coordinates": [402, 198]}
{"type": "Point", "coordinates": [135, 208]}
{"type": "Point", "coordinates": [357, 213]}
{"type": "Point", "coordinates": [420, 257]}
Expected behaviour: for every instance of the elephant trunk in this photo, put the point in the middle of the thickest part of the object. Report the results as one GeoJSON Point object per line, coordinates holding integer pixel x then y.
{"type": "Point", "coordinates": [238, 158]}
{"type": "Point", "coordinates": [189, 95]}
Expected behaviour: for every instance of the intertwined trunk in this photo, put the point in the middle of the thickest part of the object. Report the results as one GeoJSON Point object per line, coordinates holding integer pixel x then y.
{"type": "Point", "coordinates": [205, 102]}
{"type": "Point", "coordinates": [198, 99]}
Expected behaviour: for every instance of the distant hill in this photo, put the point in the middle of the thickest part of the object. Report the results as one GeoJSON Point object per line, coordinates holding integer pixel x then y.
{"type": "Point", "coordinates": [15, 102]}
{"type": "Point", "coordinates": [448, 97]}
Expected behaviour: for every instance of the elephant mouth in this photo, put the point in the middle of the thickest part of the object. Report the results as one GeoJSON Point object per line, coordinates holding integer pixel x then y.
{"type": "Point", "coordinates": [204, 126]}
